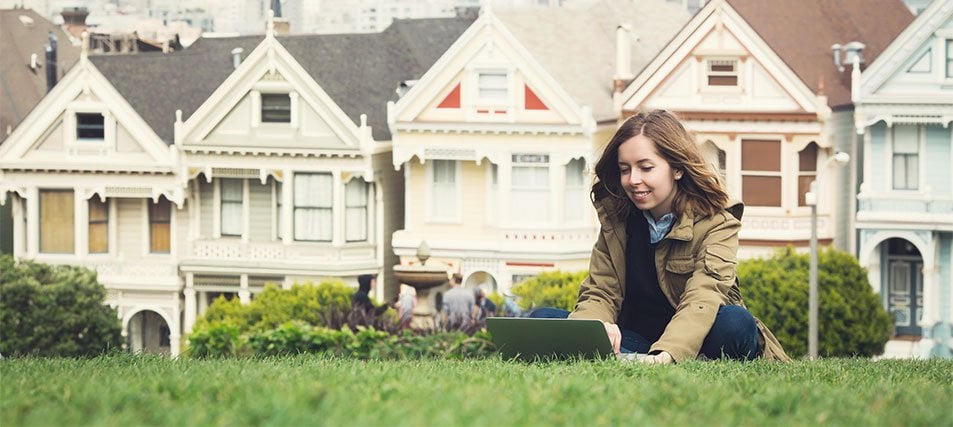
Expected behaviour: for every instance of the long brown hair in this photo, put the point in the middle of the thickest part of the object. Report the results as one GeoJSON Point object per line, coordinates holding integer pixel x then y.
{"type": "Point", "coordinates": [700, 187]}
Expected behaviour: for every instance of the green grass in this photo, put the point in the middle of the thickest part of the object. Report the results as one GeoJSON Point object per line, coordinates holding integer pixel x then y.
{"type": "Point", "coordinates": [132, 390]}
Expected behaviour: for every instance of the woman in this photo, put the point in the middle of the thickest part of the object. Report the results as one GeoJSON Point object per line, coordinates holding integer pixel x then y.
{"type": "Point", "coordinates": [662, 273]}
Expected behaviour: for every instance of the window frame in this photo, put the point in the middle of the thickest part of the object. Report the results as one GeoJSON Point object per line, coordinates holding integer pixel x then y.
{"type": "Point", "coordinates": [804, 173]}
{"type": "Point", "coordinates": [222, 203]}
{"type": "Point", "coordinates": [152, 207]}
{"type": "Point", "coordinates": [71, 228]}
{"type": "Point", "coordinates": [531, 161]}
{"type": "Point", "coordinates": [365, 207]}
{"type": "Point", "coordinates": [272, 109]}
{"type": "Point", "coordinates": [79, 127]}
{"type": "Point", "coordinates": [103, 223]}
{"type": "Point", "coordinates": [455, 216]}
{"type": "Point", "coordinates": [744, 173]}
{"type": "Point", "coordinates": [709, 73]}
{"type": "Point", "coordinates": [919, 131]}
{"type": "Point", "coordinates": [297, 206]}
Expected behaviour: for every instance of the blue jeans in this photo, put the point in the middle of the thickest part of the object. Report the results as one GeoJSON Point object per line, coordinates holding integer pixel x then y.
{"type": "Point", "coordinates": [734, 334]}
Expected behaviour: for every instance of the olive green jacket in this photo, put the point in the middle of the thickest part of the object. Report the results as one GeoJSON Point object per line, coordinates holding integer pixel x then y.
{"type": "Point", "coordinates": [696, 270]}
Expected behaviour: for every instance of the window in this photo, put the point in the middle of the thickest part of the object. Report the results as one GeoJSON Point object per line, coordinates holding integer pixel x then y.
{"type": "Point", "coordinates": [98, 226]}
{"type": "Point", "coordinates": [576, 199]}
{"type": "Point", "coordinates": [160, 226]}
{"type": "Point", "coordinates": [90, 126]}
{"type": "Point", "coordinates": [443, 183]}
{"type": "Point", "coordinates": [232, 222]}
{"type": "Point", "coordinates": [493, 86]}
{"type": "Point", "coordinates": [807, 172]}
{"type": "Point", "coordinates": [906, 157]}
{"type": "Point", "coordinates": [56, 221]}
{"type": "Point", "coordinates": [355, 195]}
{"type": "Point", "coordinates": [530, 187]}
{"type": "Point", "coordinates": [722, 72]}
{"type": "Point", "coordinates": [761, 172]}
{"type": "Point", "coordinates": [313, 213]}
{"type": "Point", "coordinates": [949, 59]}
{"type": "Point", "coordinates": [275, 108]}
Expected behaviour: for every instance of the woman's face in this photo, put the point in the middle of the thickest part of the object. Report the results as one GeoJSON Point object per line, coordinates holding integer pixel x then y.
{"type": "Point", "coordinates": [646, 177]}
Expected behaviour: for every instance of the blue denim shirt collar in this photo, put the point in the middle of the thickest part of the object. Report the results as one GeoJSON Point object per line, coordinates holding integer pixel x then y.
{"type": "Point", "coordinates": [658, 229]}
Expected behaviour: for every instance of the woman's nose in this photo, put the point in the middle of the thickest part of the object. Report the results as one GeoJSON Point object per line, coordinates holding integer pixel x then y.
{"type": "Point", "coordinates": [634, 178]}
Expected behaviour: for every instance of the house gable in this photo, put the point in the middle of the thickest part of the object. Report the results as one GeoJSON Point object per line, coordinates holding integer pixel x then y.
{"type": "Point", "coordinates": [487, 76]}
{"type": "Point", "coordinates": [85, 124]}
{"type": "Point", "coordinates": [239, 113]}
{"type": "Point", "coordinates": [915, 65]}
{"type": "Point", "coordinates": [719, 62]}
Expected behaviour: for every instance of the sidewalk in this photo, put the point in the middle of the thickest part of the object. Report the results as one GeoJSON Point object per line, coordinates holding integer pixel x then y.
{"type": "Point", "coordinates": [900, 349]}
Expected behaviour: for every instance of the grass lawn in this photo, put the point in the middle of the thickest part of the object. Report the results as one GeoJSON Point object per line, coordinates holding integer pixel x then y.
{"type": "Point", "coordinates": [132, 390]}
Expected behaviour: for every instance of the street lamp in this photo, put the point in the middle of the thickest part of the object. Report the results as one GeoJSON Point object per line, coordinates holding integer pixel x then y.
{"type": "Point", "coordinates": [810, 198]}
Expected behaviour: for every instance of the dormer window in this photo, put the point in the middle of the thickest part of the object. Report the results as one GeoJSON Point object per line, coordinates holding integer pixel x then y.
{"type": "Point", "coordinates": [722, 72]}
{"type": "Point", "coordinates": [275, 108]}
{"type": "Point", "coordinates": [90, 126]}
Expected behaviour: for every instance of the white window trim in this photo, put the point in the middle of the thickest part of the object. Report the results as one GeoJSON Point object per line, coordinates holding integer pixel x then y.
{"type": "Point", "coordinates": [473, 102]}
{"type": "Point", "coordinates": [552, 178]}
{"type": "Point", "coordinates": [921, 173]}
{"type": "Point", "coordinates": [276, 88]}
{"type": "Point", "coordinates": [784, 174]}
{"type": "Point", "coordinates": [705, 65]}
{"type": "Point", "coordinates": [369, 217]}
{"type": "Point", "coordinates": [246, 209]}
{"type": "Point", "coordinates": [457, 218]}
{"type": "Point", "coordinates": [105, 145]}
{"type": "Point", "coordinates": [110, 228]}
{"type": "Point", "coordinates": [336, 196]}
{"type": "Point", "coordinates": [146, 231]}
{"type": "Point", "coordinates": [276, 210]}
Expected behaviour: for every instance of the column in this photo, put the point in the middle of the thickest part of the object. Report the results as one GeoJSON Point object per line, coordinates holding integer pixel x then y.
{"type": "Point", "coordinates": [287, 207]}
{"type": "Point", "coordinates": [80, 223]}
{"type": "Point", "coordinates": [19, 232]}
{"type": "Point", "coordinates": [190, 309]}
{"type": "Point", "coordinates": [33, 222]}
{"type": "Point", "coordinates": [337, 209]}
{"type": "Point", "coordinates": [244, 295]}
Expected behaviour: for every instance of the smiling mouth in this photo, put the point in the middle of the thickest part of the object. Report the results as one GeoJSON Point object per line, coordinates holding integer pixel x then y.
{"type": "Point", "coordinates": [640, 194]}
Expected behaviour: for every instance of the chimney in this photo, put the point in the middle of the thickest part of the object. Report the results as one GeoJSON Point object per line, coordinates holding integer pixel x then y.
{"type": "Point", "coordinates": [623, 57]}
{"type": "Point", "coordinates": [74, 20]}
{"type": "Point", "coordinates": [237, 56]}
{"type": "Point", "coordinates": [50, 61]}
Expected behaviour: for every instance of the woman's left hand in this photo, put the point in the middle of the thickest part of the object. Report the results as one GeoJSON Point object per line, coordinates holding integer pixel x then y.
{"type": "Point", "coordinates": [662, 358]}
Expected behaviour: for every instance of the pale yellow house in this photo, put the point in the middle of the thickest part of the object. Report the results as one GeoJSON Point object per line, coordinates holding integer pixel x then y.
{"type": "Point", "coordinates": [497, 139]}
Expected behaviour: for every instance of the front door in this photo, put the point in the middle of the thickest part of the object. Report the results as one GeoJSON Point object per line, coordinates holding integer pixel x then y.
{"type": "Point", "coordinates": [905, 295]}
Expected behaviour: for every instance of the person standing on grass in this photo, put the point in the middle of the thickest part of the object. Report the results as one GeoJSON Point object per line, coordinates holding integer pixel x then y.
{"type": "Point", "coordinates": [361, 300]}
{"type": "Point", "coordinates": [406, 301]}
{"type": "Point", "coordinates": [662, 272]}
{"type": "Point", "coordinates": [459, 305]}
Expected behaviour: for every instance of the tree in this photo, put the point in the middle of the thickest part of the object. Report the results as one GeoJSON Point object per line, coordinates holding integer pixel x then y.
{"type": "Point", "coordinates": [54, 311]}
{"type": "Point", "coordinates": [851, 319]}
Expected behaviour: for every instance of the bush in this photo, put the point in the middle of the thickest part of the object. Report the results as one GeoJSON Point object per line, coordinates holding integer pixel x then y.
{"type": "Point", "coordinates": [851, 318]}
{"type": "Point", "coordinates": [275, 306]}
{"type": "Point", "coordinates": [550, 289]}
{"type": "Point", "coordinates": [54, 311]}
{"type": "Point", "coordinates": [364, 343]}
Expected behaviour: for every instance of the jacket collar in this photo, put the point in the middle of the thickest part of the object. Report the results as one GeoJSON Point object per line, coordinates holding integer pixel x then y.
{"type": "Point", "coordinates": [682, 230]}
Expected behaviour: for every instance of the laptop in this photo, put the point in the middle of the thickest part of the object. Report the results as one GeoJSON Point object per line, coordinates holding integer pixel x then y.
{"type": "Point", "coordinates": [541, 339]}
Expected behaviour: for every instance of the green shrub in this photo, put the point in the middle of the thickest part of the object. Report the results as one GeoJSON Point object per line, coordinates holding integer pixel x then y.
{"type": "Point", "coordinates": [851, 318]}
{"type": "Point", "coordinates": [550, 289]}
{"type": "Point", "coordinates": [54, 311]}
{"type": "Point", "coordinates": [364, 343]}
{"type": "Point", "coordinates": [275, 306]}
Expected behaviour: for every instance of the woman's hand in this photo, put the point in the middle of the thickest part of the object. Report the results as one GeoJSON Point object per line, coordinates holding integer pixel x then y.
{"type": "Point", "coordinates": [662, 358]}
{"type": "Point", "coordinates": [615, 336]}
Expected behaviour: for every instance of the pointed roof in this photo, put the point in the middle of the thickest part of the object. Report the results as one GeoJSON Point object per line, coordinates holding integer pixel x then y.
{"type": "Point", "coordinates": [801, 33]}
{"type": "Point", "coordinates": [21, 88]}
{"type": "Point", "coordinates": [359, 71]}
{"type": "Point", "coordinates": [577, 44]}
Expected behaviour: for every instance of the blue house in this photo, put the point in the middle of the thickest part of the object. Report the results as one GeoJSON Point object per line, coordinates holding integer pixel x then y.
{"type": "Point", "coordinates": [904, 109]}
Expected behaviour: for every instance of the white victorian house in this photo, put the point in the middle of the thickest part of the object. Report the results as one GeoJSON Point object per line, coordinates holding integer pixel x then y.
{"type": "Point", "coordinates": [210, 172]}
{"type": "Point", "coordinates": [497, 138]}
{"type": "Point", "coordinates": [94, 185]}
{"type": "Point", "coordinates": [904, 109]}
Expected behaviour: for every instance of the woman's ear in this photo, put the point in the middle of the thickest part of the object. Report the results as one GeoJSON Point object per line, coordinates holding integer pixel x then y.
{"type": "Point", "coordinates": [678, 175]}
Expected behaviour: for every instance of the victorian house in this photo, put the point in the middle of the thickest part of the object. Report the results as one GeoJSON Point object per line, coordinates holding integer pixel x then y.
{"type": "Point", "coordinates": [757, 84]}
{"type": "Point", "coordinates": [904, 109]}
{"type": "Point", "coordinates": [213, 171]}
{"type": "Point", "coordinates": [497, 139]}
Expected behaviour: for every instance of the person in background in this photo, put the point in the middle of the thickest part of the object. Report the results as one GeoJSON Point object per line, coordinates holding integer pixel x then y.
{"type": "Point", "coordinates": [485, 307]}
{"type": "Point", "coordinates": [361, 300]}
{"type": "Point", "coordinates": [510, 307]}
{"type": "Point", "coordinates": [662, 273]}
{"type": "Point", "coordinates": [459, 305]}
{"type": "Point", "coordinates": [406, 301]}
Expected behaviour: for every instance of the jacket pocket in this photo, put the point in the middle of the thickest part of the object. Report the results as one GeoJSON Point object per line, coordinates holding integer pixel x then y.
{"type": "Point", "coordinates": [720, 262]}
{"type": "Point", "coordinates": [680, 265]}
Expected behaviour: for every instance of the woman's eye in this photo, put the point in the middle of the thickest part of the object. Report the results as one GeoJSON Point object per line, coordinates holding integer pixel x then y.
{"type": "Point", "coordinates": [623, 171]}
{"type": "Point", "coordinates": [647, 169]}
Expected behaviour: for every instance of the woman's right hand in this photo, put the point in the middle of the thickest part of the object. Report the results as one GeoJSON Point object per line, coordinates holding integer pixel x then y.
{"type": "Point", "coordinates": [615, 336]}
